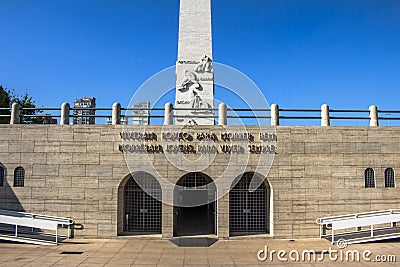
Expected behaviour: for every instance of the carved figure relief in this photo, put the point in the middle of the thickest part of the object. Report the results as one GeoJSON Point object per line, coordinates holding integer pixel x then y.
{"type": "Point", "coordinates": [190, 93]}
{"type": "Point", "coordinates": [191, 122]}
{"type": "Point", "coordinates": [198, 103]}
{"type": "Point", "coordinates": [190, 82]}
{"type": "Point", "coordinates": [205, 65]}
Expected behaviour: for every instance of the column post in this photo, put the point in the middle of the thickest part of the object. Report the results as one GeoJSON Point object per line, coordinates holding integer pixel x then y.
{"type": "Point", "coordinates": [373, 115]}
{"type": "Point", "coordinates": [325, 121]}
{"type": "Point", "coordinates": [222, 114]}
{"type": "Point", "coordinates": [274, 115]}
{"type": "Point", "coordinates": [65, 113]}
{"type": "Point", "coordinates": [15, 112]}
{"type": "Point", "coordinates": [116, 114]}
{"type": "Point", "coordinates": [168, 116]}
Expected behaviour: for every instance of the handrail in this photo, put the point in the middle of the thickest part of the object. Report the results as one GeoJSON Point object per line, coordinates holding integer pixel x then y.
{"type": "Point", "coordinates": [247, 114]}
{"type": "Point", "coordinates": [349, 110]}
{"type": "Point", "coordinates": [42, 108]}
{"type": "Point", "coordinates": [144, 109]}
{"type": "Point", "coordinates": [375, 220]}
{"type": "Point", "coordinates": [64, 220]}
{"type": "Point", "coordinates": [389, 111]}
{"type": "Point", "coordinates": [327, 220]}
{"type": "Point", "coordinates": [32, 221]}
{"type": "Point", "coordinates": [248, 109]}
{"type": "Point", "coordinates": [299, 110]}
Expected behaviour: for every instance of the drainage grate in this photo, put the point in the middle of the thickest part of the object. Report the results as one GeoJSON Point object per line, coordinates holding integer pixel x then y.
{"type": "Point", "coordinates": [19, 259]}
{"type": "Point", "coordinates": [193, 241]}
{"type": "Point", "coordinates": [72, 252]}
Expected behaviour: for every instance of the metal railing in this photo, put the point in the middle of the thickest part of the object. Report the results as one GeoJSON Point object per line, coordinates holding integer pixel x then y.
{"type": "Point", "coordinates": [356, 222]}
{"type": "Point", "coordinates": [23, 227]}
{"type": "Point", "coordinates": [157, 115]}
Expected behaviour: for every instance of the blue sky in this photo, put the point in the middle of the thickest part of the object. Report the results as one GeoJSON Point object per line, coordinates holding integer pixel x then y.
{"type": "Point", "coordinates": [301, 53]}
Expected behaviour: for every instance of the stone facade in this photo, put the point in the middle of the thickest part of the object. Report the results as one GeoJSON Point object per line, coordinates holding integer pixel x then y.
{"type": "Point", "coordinates": [79, 172]}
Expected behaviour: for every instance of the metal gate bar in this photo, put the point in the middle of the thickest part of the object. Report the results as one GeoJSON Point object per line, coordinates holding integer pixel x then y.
{"type": "Point", "coordinates": [142, 210]}
{"type": "Point", "coordinates": [248, 210]}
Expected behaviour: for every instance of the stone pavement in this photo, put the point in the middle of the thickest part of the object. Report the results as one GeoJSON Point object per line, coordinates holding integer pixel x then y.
{"type": "Point", "coordinates": [139, 252]}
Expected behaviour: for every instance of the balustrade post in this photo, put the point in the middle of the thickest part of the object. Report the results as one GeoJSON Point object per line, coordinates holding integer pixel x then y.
{"type": "Point", "coordinates": [325, 120]}
{"type": "Point", "coordinates": [168, 116]}
{"type": "Point", "coordinates": [116, 114]}
{"type": "Point", "coordinates": [65, 108]}
{"type": "Point", "coordinates": [222, 114]}
{"type": "Point", "coordinates": [373, 115]}
{"type": "Point", "coordinates": [274, 115]}
{"type": "Point", "coordinates": [15, 113]}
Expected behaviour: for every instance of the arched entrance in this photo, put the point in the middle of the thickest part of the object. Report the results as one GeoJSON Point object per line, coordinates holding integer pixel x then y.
{"type": "Point", "coordinates": [142, 206]}
{"type": "Point", "coordinates": [249, 210]}
{"type": "Point", "coordinates": [190, 218]}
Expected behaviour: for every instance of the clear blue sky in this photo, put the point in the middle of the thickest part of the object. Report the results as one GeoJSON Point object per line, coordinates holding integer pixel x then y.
{"type": "Point", "coordinates": [301, 53]}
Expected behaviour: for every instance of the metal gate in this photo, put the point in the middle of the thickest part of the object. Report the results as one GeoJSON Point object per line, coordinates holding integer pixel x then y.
{"type": "Point", "coordinates": [142, 209]}
{"type": "Point", "coordinates": [248, 211]}
{"type": "Point", "coordinates": [195, 220]}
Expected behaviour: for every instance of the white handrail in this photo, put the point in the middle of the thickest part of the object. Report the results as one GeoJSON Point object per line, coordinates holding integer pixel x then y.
{"type": "Point", "coordinates": [327, 220]}
{"type": "Point", "coordinates": [62, 220]}
{"type": "Point", "coordinates": [31, 220]}
{"type": "Point", "coordinates": [358, 221]}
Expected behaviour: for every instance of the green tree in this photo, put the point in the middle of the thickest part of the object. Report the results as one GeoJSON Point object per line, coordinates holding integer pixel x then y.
{"type": "Point", "coordinates": [25, 102]}
{"type": "Point", "coordinates": [4, 103]}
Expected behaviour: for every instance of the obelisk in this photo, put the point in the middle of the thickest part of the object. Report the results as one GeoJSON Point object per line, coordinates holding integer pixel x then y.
{"type": "Point", "coordinates": [194, 71]}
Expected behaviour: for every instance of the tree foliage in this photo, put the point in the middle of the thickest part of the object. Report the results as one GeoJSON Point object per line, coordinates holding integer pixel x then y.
{"type": "Point", "coordinates": [8, 97]}
{"type": "Point", "coordinates": [4, 103]}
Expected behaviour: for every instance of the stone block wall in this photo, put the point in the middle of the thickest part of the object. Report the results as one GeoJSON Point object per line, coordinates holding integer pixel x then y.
{"type": "Point", "coordinates": [76, 171]}
{"type": "Point", "coordinates": [319, 172]}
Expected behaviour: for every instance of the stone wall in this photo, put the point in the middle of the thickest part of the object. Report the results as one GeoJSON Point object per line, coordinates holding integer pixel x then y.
{"type": "Point", "coordinates": [319, 172]}
{"type": "Point", "coordinates": [76, 171]}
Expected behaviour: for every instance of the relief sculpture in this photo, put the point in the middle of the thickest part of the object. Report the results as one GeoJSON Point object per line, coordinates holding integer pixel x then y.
{"type": "Point", "coordinates": [205, 65]}
{"type": "Point", "coordinates": [193, 90]}
{"type": "Point", "coordinates": [190, 82]}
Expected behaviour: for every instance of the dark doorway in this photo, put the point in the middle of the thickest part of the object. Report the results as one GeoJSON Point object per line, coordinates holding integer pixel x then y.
{"type": "Point", "coordinates": [142, 205]}
{"type": "Point", "coordinates": [195, 205]}
{"type": "Point", "coordinates": [248, 209]}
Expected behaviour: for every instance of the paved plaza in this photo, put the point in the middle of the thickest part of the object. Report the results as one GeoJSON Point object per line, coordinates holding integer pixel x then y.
{"type": "Point", "coordinates": [139, 252]}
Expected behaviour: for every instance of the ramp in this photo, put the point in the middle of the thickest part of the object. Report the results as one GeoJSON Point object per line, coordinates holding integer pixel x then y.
{"type": "Point", "coordinates": [30, 228]}
{"type": "Point", "coordinates": [381, 225]}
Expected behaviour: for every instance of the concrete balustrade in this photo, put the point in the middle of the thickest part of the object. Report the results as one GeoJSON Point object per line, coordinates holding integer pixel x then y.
{"type": "Point", "coordinates": [274, 115]}
{"type": "Point", "coordinates": [373, 115]}
{"type": "Point", "coordinates": [168, 115]}
{"type": "Point", "coordinates": [116, 114]}
{"type": "Point", "coordinates": [116, 119]}
{"type": "Point", "coordinates": [325, 120]}
{"type": "Point", "coordinates": [15, 112]}
{"type": "Point", "coordinates": [65, 108]}
{"type": "Point", "coordinates": [222, 114]}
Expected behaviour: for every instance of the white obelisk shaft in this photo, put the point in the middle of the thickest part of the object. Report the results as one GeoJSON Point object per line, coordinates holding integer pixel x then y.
{"type": "Point", "coordinates": [195, 77]}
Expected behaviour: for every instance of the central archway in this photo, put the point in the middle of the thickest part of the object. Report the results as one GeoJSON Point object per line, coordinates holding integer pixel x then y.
{"type": "Point", "coordinates": [191, 220]}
